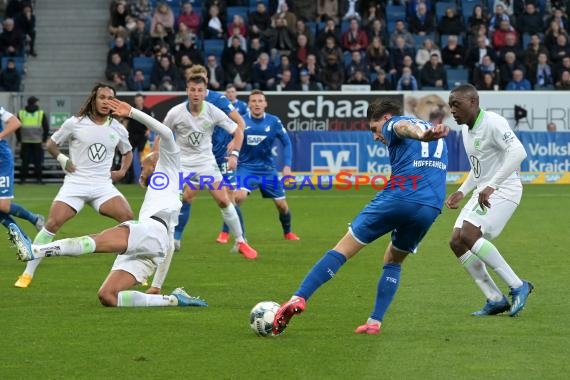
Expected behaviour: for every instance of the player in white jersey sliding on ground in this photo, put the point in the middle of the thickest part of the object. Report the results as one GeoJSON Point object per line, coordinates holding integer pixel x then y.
{"type": "Point", "coordinates": [141, 244]}
{"type": "Point", "coordinates": [495, 154]}
{"type": "Point", "coordinates": [193, 123]}
{"type": "Point", "coordinates": [93, 135]}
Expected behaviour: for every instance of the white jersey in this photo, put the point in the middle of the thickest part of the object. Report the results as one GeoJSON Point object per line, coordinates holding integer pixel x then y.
{"type": "Point", "coordinates": [194, 134]}
{"type": "Point", "coordinates": [162, 197]}
{"type": "Point", "coordinates": [92, 147]}
{"type": "Point", "coordinates": [5, 115]}
{"type": "Point", "coordinates": [486, 145]}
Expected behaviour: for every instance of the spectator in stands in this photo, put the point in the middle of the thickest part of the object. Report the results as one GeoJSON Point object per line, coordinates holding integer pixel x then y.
{"type": "Point", "coordinates": [313, 69]}
{"type": "Point", "coordinates": [239, 73]}
{"type": "Point", "coordinates": [382, 83]}
{"type": "Point", "coordinates": [530, 22]}
{"type": "Point", "coordinates": [10, 78]}
{"type": "Point", "coordinates": [486, 82]}
{"type": "Point", "coordinates": [499, 36]}
{"type": "Point", "coordinates": [118, 19]}
{"type": "Point", "coordinates": [378, 29]}
{"type": "Point", "coordinates": [302, 29]}
{"type": "Point", "coordinates": [535, 47]}
{"type": "Point", "coordinates": [283, 12]}
{"type": "Point", "coordinates": [118, 70]}
{"type": "Point", "coordinates": [264, 74]}
{"type": "Point", "coordinates": [541, 73]}
{"type": "Point", "coordinates": [163, 15]}
{"type": "Point", "coordinates": [160, 37]}
{"type": "Point", "coordinates": [373, 12]}
{"type": "Point", "coordinates": [280, 37]}
{"type": "Point", "coordinates": [487, 66]}
{"type": "Point", "coordinates": [13, 7]}
{"type": "Point", "coordinates": [141, 9]}
{"type": "Point", "coordinates": [398, 53]}
{"type": "Point", "coordinates": [138, 82]}
{"type": "Point", "coordinates": [235, 33]}
{"type": "Point", "coordinates": [189, 18]}
{"type": "Point", "coordinates": [239, 24]}
{"type": "Point", "coordinates": [216, 78]}
{"type": "Point", "coordinates": [164, 74]}
{"type": "Point", "coordinates": [451, 23]}
{"type": "Point", "coordinates": [119, 47]}
{"type": "Point", "coordinates": [26, 23]}
{"type": "Point", "coordinates": [287, 83]}
{"type": "Point", "coordinates": [286, 64]}
{"type": "Point", "coordinates": [412, 6]}
{"type": "Point", "coordinates": [301, 51]}
{"type": "Point", "coordinates": [140, 40]}
{"type": "Point", "coordinates": [552, 33]}
{"type": "Point", "coordinates": [305, 83]}
{"type": "Point", "coordinates": [476, 54]}
{"type": "Point", "coordinates": [421, 22]}
{"type": "Point", "coordinates": [327, 9]}
{"type": "Point", "coordinates": [453, 54]}
{"type": "Point", "coordinates": [551, 127]}
{"type": "Point", "coordinates": [230, 51]}
{"type": "Point", "coordinates": [518, 82]}
{"type": "Point", "coordinates": [185, 63]}
{"type": "Point", "coordinates": [259, 20]}
{"type": "Point", "coordinates": [564, 83]}
{"type": "Point", "coordinates": [11, 40]}
{"type": "Point", "coordinates": [188, 48]}
{"type": "Point", "coordinates": [355, 38]}
{"type": "Point", "coordinates": [560, 50]}
{"type": "Point", "coordinates": [408, 62]}
{"type": "Point", "coordinates": [424, 53]}
{"type": "Point", "coordinates": [433, 74]}
{"type": "Point", "coordinates": [512, 46]}
{"type": "Point", "coordinates": [181, 35]}
{"type": "Point", "coordinates": [559, 17]}
{"type": "Point", "coordinates": [478, 17]}
{"type": "Point", "coordinates": [330, 48]}
{"type": "Point", "coordinates": [332, 74]}
{"type": "Point", "coordinates": [254, 50]}
{"type": "Point", "coordinates": [358, 78]}
{"type": "Point", "coordinates": [356, 64]}
{"type": "Point", "coordinates": [481, 32]}
{"type": "Point", "coordinates": [400, 31]}
{"type": "Point", "coordinates": [213, 25]}
{"type": "Point", "coordinates": [407, 81]}
{"type": "Point", "coordinates": [377, 56]}
{"type": "Point", "coordinates": [498, 16]}
{"type": "Point", "coordinates": [330, 30]}
{"type": "Point", "coordinates": [306, 10]}
{"type": "Point", "coordinates": [559, 68]}
{"type": "Point", "coordinates": [508, 67]}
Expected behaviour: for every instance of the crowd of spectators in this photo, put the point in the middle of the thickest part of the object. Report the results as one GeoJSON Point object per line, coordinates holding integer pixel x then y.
{"type": "Point", "coordinates": [17, 39]}
{"type": "Point", "coordinates": [324, 44]}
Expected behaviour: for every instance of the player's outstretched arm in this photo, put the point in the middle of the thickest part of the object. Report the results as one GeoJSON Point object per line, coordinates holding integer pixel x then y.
{"type": "Point", "coordinates": [407, 130]}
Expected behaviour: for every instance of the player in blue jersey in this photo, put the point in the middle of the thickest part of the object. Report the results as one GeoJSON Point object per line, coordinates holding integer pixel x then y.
{"type": "Point", "coordinates": [8, 125]}
{"type": "Point", "coordinates": [407, 207]}
{"type": "Point", "coordinates": [256, 168]}
{"type": "Point", "coordinates": [221, 102]}
{"type": "Point", "coordinates": [220, 141]}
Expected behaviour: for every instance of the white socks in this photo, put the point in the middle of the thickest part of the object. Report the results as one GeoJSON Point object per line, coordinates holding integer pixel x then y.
{"type": "Point", "coordinates": [477, 269]}
{"type": "Point", "coordinates": [43, 237]}
{"type": "Point", "coordinates": [231, 218]}
{"type": "Point", "coordinates": [487, 252]}
{"type": "Point", "coordinates": [132, 298]}
{"type": "Point", "coordinates": [65, 247]}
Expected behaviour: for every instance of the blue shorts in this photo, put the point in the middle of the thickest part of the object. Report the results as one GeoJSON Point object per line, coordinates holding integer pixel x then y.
{"type": "Point", "coordinates": [409, 222]}
{"type": "Point", "coordinates": [6, 178]}
{"type": "Point", "coordinates": [268, 182]}
{"type": "Point", "coordinates": [228, 175]}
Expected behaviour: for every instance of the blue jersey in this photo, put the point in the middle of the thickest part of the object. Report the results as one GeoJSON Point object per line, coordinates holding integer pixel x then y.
{"type": "Point", "coordinates": [259, 136]}
{"type": "Point", "coordinates": [5, 151]}
{"type": "Point", "coordinates": [424, 161]}
{"type": "Point", "coordinates": [220, 138]}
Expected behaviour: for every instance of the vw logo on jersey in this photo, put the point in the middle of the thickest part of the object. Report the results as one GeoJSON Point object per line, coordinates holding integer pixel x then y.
{"type": "Point", "coordinates": [476, 165]}
{"type": "Point", "coordinates": [195, 138]}
{"type": "Point", "coordinates": [97, 152]}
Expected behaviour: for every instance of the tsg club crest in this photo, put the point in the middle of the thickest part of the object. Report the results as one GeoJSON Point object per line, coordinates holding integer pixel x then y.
{"type": "Point", "coordinates": [195, 138]}
{"type": "Point", "coordinates": [97, 152]}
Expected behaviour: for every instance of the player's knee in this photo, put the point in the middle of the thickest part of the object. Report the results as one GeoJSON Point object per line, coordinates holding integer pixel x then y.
{"type": "Point", "coordinates": [282, 207]}
{"type": "Point", "coordinates": [455, 243]}
{"type": "Point", "coordinates": [107, 297]}
{"type": "Point", "coordinates": [223, 203]}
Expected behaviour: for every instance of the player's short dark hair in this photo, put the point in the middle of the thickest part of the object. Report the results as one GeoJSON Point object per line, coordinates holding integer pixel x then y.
{"type": "Point", "coordinates": [256, 92]}
{"type": "Point", "coordinates": [466, 88]}
{"type": "Point", "coordinates": [379, 108]}
{"type": "Point", "coordinates": [196, 79]}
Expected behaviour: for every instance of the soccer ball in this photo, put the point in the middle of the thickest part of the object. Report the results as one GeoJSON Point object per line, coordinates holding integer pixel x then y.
{"type": "Point", "coordinates": [261, 317]}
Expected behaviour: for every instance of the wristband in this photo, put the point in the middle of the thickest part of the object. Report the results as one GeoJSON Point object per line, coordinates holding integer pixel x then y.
{"type": "Point", "coordinates": [62, 159]}
{"type": "Point", "coordinates": [235, 153]}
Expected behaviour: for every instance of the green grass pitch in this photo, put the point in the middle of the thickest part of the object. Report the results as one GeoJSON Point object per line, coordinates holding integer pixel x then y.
{"type": "Point", "coordinates": [57, 329]}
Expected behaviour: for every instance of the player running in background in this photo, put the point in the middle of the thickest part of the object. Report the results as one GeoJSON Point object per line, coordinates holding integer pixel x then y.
{"type": "Point", "coordinates": [495, 154]}
{"type": "Point", "coordinates": [93, 135]}
{"type": "Point", "coordinates": [193, 123]}
{"type": "Point", "coordinates": [256, 159]}
{"type": "Point", "coordinates": [8, 125]}
{"type": "Point", "coordinates": [219, 138]}
{"type": "Point", "coordinates": [407, 207]}
{"type": "Point", "coordinates": [142, 243]}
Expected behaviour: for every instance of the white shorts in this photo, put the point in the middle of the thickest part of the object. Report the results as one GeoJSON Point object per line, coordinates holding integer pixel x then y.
{"type": "Point", "coordinates": [492, 220]}
{"type": "Point", "coordinates": [76, 195]}
{"type": "Point", "coordinates": [205, 172]}
{"type": "Point", "coordinates": [149, 241]}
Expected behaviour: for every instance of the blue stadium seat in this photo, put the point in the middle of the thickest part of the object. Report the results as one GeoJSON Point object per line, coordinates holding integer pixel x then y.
{"type": "Point", "coordinates": [467, 8]}
{"type": "Point", "coordinates": [19, 61]}
{"type": "Point", "coordinates": [213, 46]}
{"type": "Point", "coordinates": [395, 12]}
{"type": "Point", "coordinates": [455, 76]}
{"type": "Point", "coordinates": [145, 64]}
{"type": "Point", "coordinates": [242, 11]}
{"type": "Point", "coordinates": [419, 39]}
{"type": "Point", "coordinates": [440, 9]}
{"type": "Point", "coordinates": [525, 40]}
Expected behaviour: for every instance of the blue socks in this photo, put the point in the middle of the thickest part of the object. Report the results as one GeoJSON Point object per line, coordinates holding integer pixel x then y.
{"type": "Point", "coordinates": [23, 213]}
{"type": "Point", "coordinates": [183, 218]}
{"type": "Point", "coordinates": [225, 227]}
{"type": "Point", "coordinates": [6, 219]}
{"type": "Point", "coordinates": [324, 270]}
{"type": "Point", "coordinates": [285, 220]}
{"type": "Point", "coordinates": [387, 287]}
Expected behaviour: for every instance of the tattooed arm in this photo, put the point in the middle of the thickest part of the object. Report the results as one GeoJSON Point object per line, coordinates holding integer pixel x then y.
{"type": "Point", "coordinates": [409, 130]}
